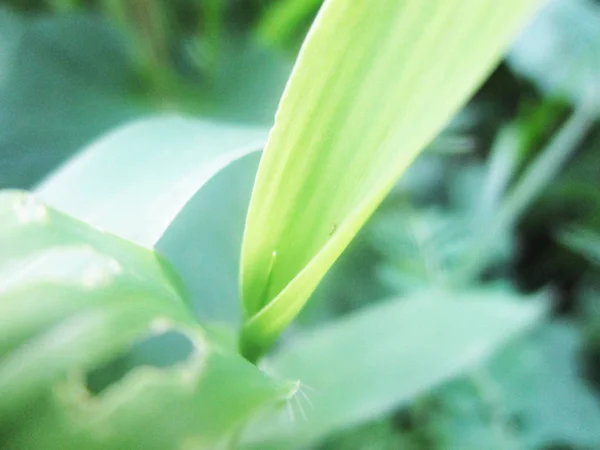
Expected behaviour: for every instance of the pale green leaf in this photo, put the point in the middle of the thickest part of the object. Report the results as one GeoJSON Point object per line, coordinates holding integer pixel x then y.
{"type": "Point", "coordinates": [134, 181]}
{"type": "Point", "coordinates": [364, 366]}
{"type": "Point", "coordinates": [181, 185]}
{"type": "Point", "coordinates": [72, 298]}
{"type": "Point", "coordinates": [532, 395]}
{"type": "Point", "coordinates": [64, 80]}
{"type": "Point", "coordinates": [247, 84]}
{"type": "Point", "coordinates": [374, 83]}
{"type": "Point", "coordinates": [11, 32]}
{"type": "Point", "coordinates": [203, 242]}
{"type": "Point", "coordinates": [560, 50]}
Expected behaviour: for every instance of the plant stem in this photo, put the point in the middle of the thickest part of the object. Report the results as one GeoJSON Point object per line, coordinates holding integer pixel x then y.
{"type": "Point", "coordinates": [501, 167]}
{"type": "Point", "coordinates": [213, 11]}
{"type": "Point", "coordinates": [536, 178]}
{"type": "Point", "coordinates": [144, 21]}
{"type": "Point", "coordinates": [547, 166]}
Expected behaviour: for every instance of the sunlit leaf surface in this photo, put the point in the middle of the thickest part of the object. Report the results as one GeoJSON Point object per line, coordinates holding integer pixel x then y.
{"type": "Point", "coordinates": [374, 83]}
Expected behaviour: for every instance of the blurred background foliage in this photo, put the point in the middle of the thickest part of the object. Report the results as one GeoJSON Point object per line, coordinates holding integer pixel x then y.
{"type": "Point", "coordinates": [508, 195]}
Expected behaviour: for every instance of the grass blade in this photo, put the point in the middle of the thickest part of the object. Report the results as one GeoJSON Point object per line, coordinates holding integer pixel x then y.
{"type": "Point", "coordinates": [374, 83]}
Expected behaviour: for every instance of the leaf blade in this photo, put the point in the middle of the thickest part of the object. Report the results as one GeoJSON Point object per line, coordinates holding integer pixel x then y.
{"type": "Point", "coordinates": [361, 89]}
{"type": "Point", "coordinates": [155, 165]}
{"type": "Point", "coordinates": [72, 298]}
{"type": "Point", "coordinates": [386, 368]}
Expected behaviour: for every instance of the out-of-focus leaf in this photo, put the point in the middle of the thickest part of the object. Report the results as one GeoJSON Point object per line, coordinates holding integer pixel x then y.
{"type": "Point", "coordinates": [349, 285]}
{"type": "Point", "coordinates": [532, 396]}
{"type": "Point", "coordinates": [555, 401]}
{"type": "Point", "coordinates": [203, 242]}
{"type": "Point", "coordinates": [560, 50]}
{"type": "Point", "coordinates": [547, 165]}
{"type": "Point", "coordinates": [248, 84]}
{"type": "Point", "coordinates": [362, 367]}
{"type": "Point", "coordinates": [71, 299]}
{"type": "Point", "coordinates": [379, 435]}
{"type": "Point", "coordinates": [134, 181]}
{"type": "Point", "coordinates": [539, 174]}
{"type": "Point", "coordinates": [64, 80]}
{"type": "Point", "coordinates": [181, 185]}
{"type": "Point", "coordinates": [11, 32]}
{"type": "Point", "coordinates": [283, 19]}
{"type": "Point", "coordinates": [501, 167]}
{"type": "Point", "coordinates": [357, 110]}
{"type": "Point", "coordinates": [584, 242]}
{"type": "Point", "coordinates": [424, 247]}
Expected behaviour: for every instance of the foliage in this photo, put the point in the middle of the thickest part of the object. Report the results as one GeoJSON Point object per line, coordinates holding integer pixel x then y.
{"type": "Point", "coordinates": [463, 314]}
{"type": "Point", "coordinates": [100, 295]}
{"type": "Point", "coordinates": [334, 150]}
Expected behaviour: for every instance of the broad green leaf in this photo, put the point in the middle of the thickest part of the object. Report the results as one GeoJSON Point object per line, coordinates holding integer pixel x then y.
{"type": "Point", "coordinates": [560, 50]}
{"type": "Point", "coordinates": [63, 81]}
{"type": "Point", "coordinates": [11, 32]}
{"type": "Point", "coordinates": [247, 84]}
{"type": "Point", "coordinates": [178, 184]}
{"type": "Point", "coordinates": [195, 406]}
{"type": "Point", "coordinates": [71, 299]}
{"type": "Point", "coordinates": [374, 83]}
{"type": "Point", "coordinates": [364, 366]}
{"type": "Point", "coordinates": [203, 242]}
{"type": "Point", "coordinates": [532, 395]}
{"type": "Point", "coordinates": [134, 181]}
{"type": "Point", "coordinates": [67, 79]}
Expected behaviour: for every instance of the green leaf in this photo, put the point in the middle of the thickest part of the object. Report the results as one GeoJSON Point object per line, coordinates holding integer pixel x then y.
{"type": "Point", "coordinates": [583, 241]}
{"type": "Point", "coordinates": [203, 242]}
{"type": "Point", "coordinates": [134, 181]}
{"type": "Point", "coordinates": [373, 85]}
{"type": "Point", "coordinates": [11, 32]}
{"type": "Point", "coordinates": [284, 18]}
{"type": "Point", "coordinates": [64, 80]}
{"type": "Point", "coordinates": [71, 299]}
{"type": "Point", "coordinates": [424, 248]}
{"type": "Point", "coordinates": [531, 395]}
{"type": "Point", "coordinates": [247, 84]}
{"type": "Point", "coordinates": [559, 50]}
{"type": "Point", "coordinates": [364, 366]}
{"type": "Point", "coordinates": [180, 185]}
{"type": "Point", "coordinates": [384, 433]}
